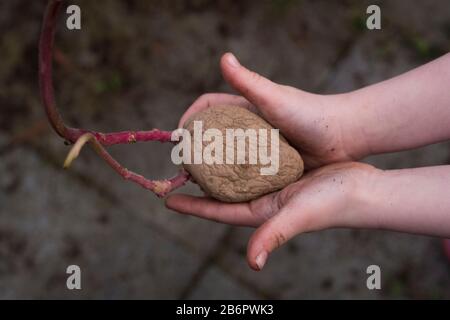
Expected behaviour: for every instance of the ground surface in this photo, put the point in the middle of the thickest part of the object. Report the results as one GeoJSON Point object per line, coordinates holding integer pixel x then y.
{"type": "Point", "coordinates": [139, 65]}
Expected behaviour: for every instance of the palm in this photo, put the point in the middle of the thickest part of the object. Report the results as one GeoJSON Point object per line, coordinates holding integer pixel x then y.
{"type": "Point", "coordinates": [316, 197]}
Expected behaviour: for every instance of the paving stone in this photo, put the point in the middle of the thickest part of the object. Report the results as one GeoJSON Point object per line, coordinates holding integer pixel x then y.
{"type": "Point", "coordinates": [217, 285]}
{"type": "Point", "coordinates": [49, 221]}
{"type": "Point", "coordinates": [426, 23]}
{"type": "Point", "coordinates": [302, 48]}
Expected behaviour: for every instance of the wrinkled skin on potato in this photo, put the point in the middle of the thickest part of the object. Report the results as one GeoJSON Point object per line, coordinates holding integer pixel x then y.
{"type": "Point", "coordinates": [241, 182]}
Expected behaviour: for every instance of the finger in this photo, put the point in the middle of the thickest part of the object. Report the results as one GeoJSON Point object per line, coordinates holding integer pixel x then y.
{"type": "Point", "coordinates": [206, 208]}
{"type": "Point", "coordinates": [251, 214]}
{"type": "Point", "coordinates": [287, 223]}
{"type": "Point", "coordinates": [214, 99]}
{"type": "Point", "coordinates": [260, 91]}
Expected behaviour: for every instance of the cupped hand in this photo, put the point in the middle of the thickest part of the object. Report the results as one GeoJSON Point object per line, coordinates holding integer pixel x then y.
{"type": "Point", "coordinates": [318, 126]}
{"type": "Point", "coordinates": [324, 198]}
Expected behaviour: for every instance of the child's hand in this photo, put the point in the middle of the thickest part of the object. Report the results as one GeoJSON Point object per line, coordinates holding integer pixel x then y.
{"type": "Point", "coordinates": [316, 125]}
{"type": "Point", "coordinates": [324, 198]}
{"type": "Point", "coordinates": [351, 195]}
{"type": "Point", "coordinates": [404, 112]}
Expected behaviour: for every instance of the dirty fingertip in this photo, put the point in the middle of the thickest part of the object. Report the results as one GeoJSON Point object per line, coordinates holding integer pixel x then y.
{"type": "Point", "coordinates": [259, 261]}
{"type": "Point", "coordinates": [231, 60]}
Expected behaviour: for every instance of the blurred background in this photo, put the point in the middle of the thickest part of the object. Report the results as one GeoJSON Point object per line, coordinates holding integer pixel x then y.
{"type": "Point", "coordinates": [138, 65]}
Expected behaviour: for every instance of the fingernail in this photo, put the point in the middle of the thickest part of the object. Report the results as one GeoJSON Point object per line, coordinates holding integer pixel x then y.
{"type": "Point", "coordinates": [232, 61]}
{"type": "Point", "coordinates": [261, 260]}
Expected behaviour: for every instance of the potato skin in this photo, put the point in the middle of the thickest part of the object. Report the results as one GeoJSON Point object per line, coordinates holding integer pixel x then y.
{"type": "Point", "coordinates": [243, 182]}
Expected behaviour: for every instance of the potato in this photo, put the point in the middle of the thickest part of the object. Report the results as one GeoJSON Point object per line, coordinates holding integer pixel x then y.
{"type": "Point", "coordinates": [241, 182]}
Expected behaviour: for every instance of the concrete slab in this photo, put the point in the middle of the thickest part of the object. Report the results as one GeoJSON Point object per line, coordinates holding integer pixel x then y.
{"type": "Point", "coordinates": [49, 221]}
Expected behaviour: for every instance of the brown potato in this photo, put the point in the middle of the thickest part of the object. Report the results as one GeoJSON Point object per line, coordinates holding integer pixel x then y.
{"type": "Point", "coordinates": [241, 182]}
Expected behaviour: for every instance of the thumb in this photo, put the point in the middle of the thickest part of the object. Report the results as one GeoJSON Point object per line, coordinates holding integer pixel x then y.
{"type": "Point", "coordinates": [260, 91]}
{"type": "Point", "coordinates": [286, 224]}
